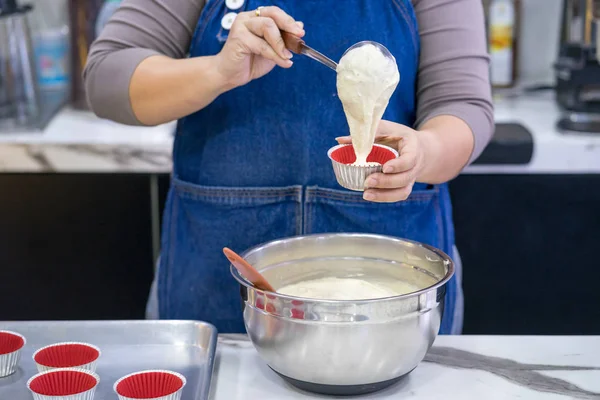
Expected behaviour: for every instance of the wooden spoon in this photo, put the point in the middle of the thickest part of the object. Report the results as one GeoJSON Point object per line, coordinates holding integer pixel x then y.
{"type": "Point", "coordinates": [248, 271]}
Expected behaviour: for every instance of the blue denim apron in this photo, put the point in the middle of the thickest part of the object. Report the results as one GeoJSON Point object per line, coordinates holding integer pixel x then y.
{"type": "Point", "coordinates": [252, 166]}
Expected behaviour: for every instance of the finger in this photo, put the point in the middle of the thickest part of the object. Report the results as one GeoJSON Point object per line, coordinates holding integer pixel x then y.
{"type": "Point", "coordinates": [267, 29]}
{"type": "Point", "coordinates": [387, 195]}
{"type": "Point", "coordinates": [344, 140]}
{"type": "Point", "coordinates": [300, 24]}
{"type": "Point", "coordinates": [405, 162]}
{"type": "Point", "coordinates": [259, 46]}
{"type": "Point", "coordinates": [389, 181]}
{"type": "Point", "coordinates": [282, 19]}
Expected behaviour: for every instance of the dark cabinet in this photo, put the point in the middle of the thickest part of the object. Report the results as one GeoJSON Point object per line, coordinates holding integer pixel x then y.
{"type": "Point", "coordinates": [79, 246]}
{"type": "Point", "coordinates": [530, 249]}
{"type": "Point", "coordinates": [74, 246]}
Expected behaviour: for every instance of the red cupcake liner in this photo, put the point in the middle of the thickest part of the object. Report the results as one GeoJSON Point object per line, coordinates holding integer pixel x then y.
{"type": "Point", "coordinates": [351, 176]}
{"type": "Point", "coordinates": [152, 384]}
{"type": "Point", "coordinates": [64, 382]}
{"type": "Point", "coordinates": [67, 355]}
{"type": "Point", "coordinates": [10, 342]}
{"type": "Point", "coordinates": [345, 154]}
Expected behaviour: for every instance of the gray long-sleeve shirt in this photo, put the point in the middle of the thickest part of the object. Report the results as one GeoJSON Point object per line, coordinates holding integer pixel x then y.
{"type": "Point", "coordinates": [453, 70]}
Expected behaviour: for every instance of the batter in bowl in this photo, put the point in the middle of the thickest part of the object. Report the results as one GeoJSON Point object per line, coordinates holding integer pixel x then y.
{"type": "Point", "coordinates": [366, 79]}
{"type": "Point", "coordinates": [342, 289]}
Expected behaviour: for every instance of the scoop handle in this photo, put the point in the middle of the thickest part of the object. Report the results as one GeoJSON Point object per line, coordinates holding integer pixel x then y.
{"type": "Point", "coordinates": [292, 42]}
{"type": "Point", "coordinates": [296, 45]}
{"type": "Point", "coordinates": [247, 270]}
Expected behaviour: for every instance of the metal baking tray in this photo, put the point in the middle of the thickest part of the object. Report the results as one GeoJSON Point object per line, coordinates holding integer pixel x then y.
{"type": "Point", "coordinates": [187, 347]}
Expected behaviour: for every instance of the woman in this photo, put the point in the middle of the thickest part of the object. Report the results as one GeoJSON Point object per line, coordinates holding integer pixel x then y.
{"type": "Point", "coordinates": [254, 126]}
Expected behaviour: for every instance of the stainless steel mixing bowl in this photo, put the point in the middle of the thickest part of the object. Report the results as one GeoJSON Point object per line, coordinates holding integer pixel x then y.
{"type": "Point", "coordinates": [345, 347]}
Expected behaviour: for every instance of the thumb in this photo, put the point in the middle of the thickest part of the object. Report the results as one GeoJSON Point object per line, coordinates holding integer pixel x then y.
{"type": "Point", "coordinates": [386, 140]}
{"type": "Point", "coordinates": [391, 134]}
{"type": "Point", "coordinates": [394, 142]}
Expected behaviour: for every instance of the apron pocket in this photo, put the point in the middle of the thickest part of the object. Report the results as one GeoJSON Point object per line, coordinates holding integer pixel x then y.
{"type": "Point", "coordinates": [195, 282]}
{"type": "Point", "coordinates": [418, 218]}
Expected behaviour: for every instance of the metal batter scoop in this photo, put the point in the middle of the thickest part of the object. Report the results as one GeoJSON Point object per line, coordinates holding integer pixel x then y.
{"type": "Point", "coordinates": [298, 46]}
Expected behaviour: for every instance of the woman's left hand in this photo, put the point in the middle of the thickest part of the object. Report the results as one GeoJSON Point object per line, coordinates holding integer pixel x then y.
{"type": "Point", "coordinates": [399, 175]}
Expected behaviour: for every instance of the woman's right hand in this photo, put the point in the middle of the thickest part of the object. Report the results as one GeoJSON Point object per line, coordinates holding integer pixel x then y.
{"type": "Point", "coordinates": [255, 45]}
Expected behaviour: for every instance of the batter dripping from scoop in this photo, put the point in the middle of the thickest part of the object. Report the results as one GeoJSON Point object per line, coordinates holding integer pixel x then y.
{"type": "Point", "coordinates": [366, 79]}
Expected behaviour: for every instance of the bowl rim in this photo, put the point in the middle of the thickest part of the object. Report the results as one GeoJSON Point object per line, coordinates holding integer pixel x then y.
{"type": "Point", "coordinates": [445, 258]}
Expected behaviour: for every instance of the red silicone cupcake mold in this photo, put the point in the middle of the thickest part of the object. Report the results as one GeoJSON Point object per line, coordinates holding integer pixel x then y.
{"type": "Point", "coordinates": [78, 384]}
{"type": "Point", "coordinates": [11, 344]}
{"type": "Point", "coordinates": [153, 384]}
{"type": "Point", "coordinates": [353, 176]}
{"type": "Point", "coordinates": [67, 355]}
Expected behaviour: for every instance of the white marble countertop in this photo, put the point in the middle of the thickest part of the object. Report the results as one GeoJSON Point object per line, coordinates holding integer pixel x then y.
{"type": "Point", "coordinates": [456, 368]}
{"type": "Point", "coordinates": [77, 141]}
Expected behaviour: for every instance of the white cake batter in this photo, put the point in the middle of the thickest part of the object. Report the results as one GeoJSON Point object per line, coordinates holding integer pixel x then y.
{"type": "Point", "coordinates": [339, 289]}
{"type": "Point", "coordinates": [366, 80]}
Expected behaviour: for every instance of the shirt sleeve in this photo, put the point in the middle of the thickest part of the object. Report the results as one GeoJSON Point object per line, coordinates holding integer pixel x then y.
{"type": "Point", "coordinates": [453, 77]}
{"type": "Point", "coordinates": [138, 29]}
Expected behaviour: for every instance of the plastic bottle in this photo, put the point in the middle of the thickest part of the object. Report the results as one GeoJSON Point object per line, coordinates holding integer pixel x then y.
{"type": "Point", "coordinates": [503, 19]}
{"type": "Point", "coordinates": [107, 10]}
